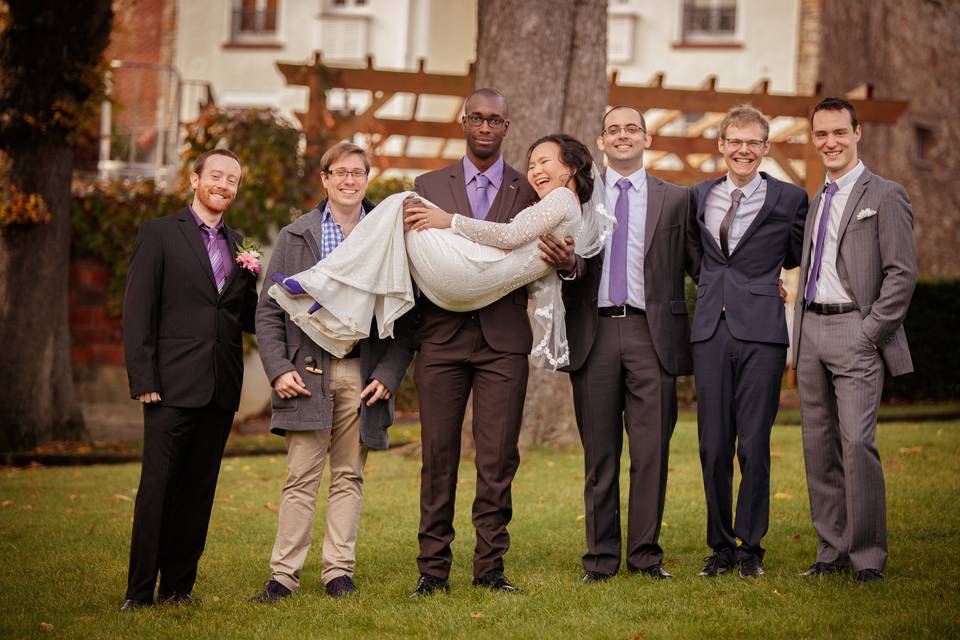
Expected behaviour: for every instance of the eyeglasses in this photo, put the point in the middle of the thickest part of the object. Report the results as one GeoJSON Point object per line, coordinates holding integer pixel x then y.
{"type": "Point", "coordinates": [475, 120]}
{"type": "Point", "coordinates": [340, 172]}
{"type": "Point", "coordinates": [615, 129]}
{"type": "Point", "coordinates": [734, 143]}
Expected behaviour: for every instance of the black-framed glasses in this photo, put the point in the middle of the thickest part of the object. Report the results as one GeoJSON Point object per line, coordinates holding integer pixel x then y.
{"type": "Point", "coordinates": [733, 144]}
{"type": "Point", "coordinates": [340, 172]}
{"type": "Point", "coordinates": [475, 120]}
{"type": "Point", "coordinates": [632, 129]}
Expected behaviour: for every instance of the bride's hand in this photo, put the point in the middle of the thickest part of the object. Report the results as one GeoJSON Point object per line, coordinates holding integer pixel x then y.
{"type": "Point", "coordinates": [422, 217]}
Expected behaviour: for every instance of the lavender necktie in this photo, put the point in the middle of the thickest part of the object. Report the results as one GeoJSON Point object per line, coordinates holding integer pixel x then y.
{"type": "Point", "coordinates": [216, 259]}
{"type": "Point", "coordinates": [811, 290]}
{"type": "Point", "coordinates": [618, 246]}
{"type": "Point", "coordinates": [482, 200]}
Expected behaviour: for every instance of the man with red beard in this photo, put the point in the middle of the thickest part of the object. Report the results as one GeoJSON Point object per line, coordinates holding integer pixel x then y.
{"type": "Point", "coordinates": [186, 306]}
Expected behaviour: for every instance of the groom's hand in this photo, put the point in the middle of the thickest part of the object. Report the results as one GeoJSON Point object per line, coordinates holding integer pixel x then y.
{"type": "Point", "coordinates": [558, 254]}
{"type": "Point", "coordinates": [409, 203]}
{"type": "Point", "coordinates": [149, 398]}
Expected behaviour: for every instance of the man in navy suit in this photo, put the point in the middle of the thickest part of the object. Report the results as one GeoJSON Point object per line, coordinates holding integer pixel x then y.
{"type": "Point", "coordinates": [750, 226]}
{"type": "Point", "coordinates": [186, 307]}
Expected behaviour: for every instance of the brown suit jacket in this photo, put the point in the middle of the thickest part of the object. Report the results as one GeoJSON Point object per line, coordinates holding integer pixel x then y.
{"type": "Point", "coordinates": [504, 323]}
{"type": "Point", "coordinates": [670, 248]}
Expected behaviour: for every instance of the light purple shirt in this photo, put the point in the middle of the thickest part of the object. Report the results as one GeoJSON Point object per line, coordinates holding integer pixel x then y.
{"type": "Point", "coordinates": [494, 174]}
{"type": "Point", "coordinates": [222, 244]}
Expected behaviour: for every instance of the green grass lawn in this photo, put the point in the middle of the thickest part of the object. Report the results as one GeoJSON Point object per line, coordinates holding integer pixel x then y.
{"type": "Point", "coordinates": [64, 539]}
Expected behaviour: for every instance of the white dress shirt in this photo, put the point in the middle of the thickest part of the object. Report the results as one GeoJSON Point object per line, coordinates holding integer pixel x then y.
{"type": "Point", "coordinates": [718, 203]}
{"type": "Point", "coordinates": [829, 288]}
{"type": "Point", "coordinates": [635, 241]}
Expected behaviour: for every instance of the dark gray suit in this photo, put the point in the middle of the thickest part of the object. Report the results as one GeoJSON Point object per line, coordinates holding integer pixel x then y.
{"type": "Point", "coordinates": [840, 367]}
{"type": "Point", "coordinates": [623, 372]}
{"type": "Point", "coordinates": [739, 351]}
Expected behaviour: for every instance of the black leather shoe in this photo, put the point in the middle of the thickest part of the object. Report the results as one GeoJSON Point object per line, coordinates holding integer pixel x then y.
{"type": "Point", "coordinates": [818, 569]}
{"type": "Point", "coordinates": [340, 586]}
{"type": "Point", "coordinates": [272, 592]}
{"type": "Point", "coordinates": [716, 565]}
{"type": "Point", "coordinates": [132, 605]}
{"type": "Point", "coordinates": [177, 599]}
{"type": "Point", "coordinates": [654, 571]}
{"type": "Point", "coordinates": [495, 581]}
{"type": "Point", "coordinates": [590, 577]}
{"type": "Point", "coordinates": [868, 575]}
{"type": "Point", "coordinates": [427, 585]}
{"type": "Point", "coordinates": [751, 567]}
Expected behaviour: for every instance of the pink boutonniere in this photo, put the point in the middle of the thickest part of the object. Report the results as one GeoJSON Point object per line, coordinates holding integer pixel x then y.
{"type": "Point", "coordinates": [248, 257]}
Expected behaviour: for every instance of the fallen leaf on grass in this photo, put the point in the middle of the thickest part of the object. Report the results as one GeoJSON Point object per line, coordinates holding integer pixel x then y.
{"type": "Point", "coordinates": [270, 507]}
{"type": "Point", "coordinates": [87, 618]}
{"type": "Point", "coordinates": [46, 626]}
{"type": "Point", "coordinates": [117, 497]}
{"type": "Point", "coordinates": [775, 455]}
{"type": "Point", "coordinates": [580, 517]}
{"type": "Point", "coordinates": [640, 635]}
{"type": "Point", "coordinates": [476, 614]}
{"type": "Point", "coordinates": [796, 537]}
{"type": "Point", "coordinates": [6, 503]}
{"type": "Point", "coordinates": [911, 450]}
{"type": "Point", "coordinates": [777, 593]}
{"type": "Point", "coordinates": [783, 495]}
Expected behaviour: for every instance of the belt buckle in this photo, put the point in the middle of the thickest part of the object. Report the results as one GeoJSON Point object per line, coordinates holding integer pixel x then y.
{"type": "Point", "coordinates": [623, 312]}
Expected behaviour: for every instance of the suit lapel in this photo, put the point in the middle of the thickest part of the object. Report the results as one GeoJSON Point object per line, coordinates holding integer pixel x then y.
{"type": "Point", "coordinates": [233, 239]}
{"type": "Point", "coordinates": [858, 189]}
{"type": "Point", "coordinates": [702, 210]}
{"type": "Point", "coordinates": [808, 237]}
{"type": "Point", "coordinates": [458, 190]}
{"type": "Point", "coordinates": [506, 196]}
{"type": "Point", "coordinates": [188, 226]}
{"type": "Point", "coordinates": [774, 187]}
{"type": "Point", "coordinates": [655, 195]}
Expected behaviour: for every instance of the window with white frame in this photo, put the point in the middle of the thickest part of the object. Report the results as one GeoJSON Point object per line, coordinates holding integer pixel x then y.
{"type": "Point", "coordinates": [709, 21]}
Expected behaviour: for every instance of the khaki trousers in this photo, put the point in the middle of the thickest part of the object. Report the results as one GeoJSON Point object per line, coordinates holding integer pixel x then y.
{"type": "Point", "coordinates": [306, 453]}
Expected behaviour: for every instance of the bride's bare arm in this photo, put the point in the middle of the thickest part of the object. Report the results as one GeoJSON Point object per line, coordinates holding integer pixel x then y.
{"type": "Point", "coordinates": [528, 225]}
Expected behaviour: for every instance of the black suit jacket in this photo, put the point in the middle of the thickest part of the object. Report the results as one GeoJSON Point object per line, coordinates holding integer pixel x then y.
{"type": "Point", "coordinates": [744, 285]}
{"type": "Point", "coordinates": [181, 338]}
{"type": "Point", "coordinates": [670, 249]}
{"type": "Point", "coordinates": [504, 323]}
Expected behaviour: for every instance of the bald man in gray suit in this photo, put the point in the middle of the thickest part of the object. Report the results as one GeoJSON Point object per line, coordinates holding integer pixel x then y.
{"type": "Point", "coordinates": [856, 279]}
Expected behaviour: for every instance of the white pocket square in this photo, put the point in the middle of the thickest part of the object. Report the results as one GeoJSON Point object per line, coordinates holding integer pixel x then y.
{"type": "Point", "coordinates": [863, 214]}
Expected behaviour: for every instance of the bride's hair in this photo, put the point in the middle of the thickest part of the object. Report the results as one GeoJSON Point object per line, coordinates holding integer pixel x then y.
{"type": "Point", "coordinates": [575, 155]}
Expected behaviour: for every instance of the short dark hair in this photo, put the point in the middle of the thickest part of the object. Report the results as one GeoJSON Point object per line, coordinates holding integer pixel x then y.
{"type": "Point", "coordinates": [616, 107]}
{"type": "Point", "coordinates": [836, 104]}
{"type": "Point", "coordinates": [202, 158]}
{"type": "Point", "coordinates": [575, 155]}
{"type": "Point", "coordinates": [486, 92]}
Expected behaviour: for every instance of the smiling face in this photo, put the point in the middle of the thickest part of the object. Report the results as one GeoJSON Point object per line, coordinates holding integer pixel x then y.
{"type": "Point", "coordinates": [546, 171]}
{"type": "Point", "coordinates": [624, 148]}
{"type": "Point", "coordinates": [346, 192]}
{"type": "Point", "coordinates": [216, 186]}
{"type": "Point", "coordinates": [835, 139]}
{"type": "Point", "coordinates": [483, 140]}
{"type": "Point", "coordinates": [743, 147]}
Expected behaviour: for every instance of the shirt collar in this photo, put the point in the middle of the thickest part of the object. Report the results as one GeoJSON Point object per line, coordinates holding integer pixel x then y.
{"type": "Point", "coordinates": [201, 223]}
{"type": "Point", "coordinates": [494, 173]}
{"type": "Point", "coordinates": [638, 179]}
{"type": "Point", "coordinates": [747, 189]}
{"type": "Point", "coordinates": [849, 177]}
{"type": "Point", "coordinates": [327, 215]}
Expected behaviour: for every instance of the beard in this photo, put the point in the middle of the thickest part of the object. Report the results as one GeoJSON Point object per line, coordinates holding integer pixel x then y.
{"type": "Point", "coordinates": [207, 199]}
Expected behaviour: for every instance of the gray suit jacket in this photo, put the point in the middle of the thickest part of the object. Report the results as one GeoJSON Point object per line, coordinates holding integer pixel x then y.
{"type": "Point", "coordinates": [285, 347]}
{"type": "Point", "coordinates": [670, 248]}
{"type": "Point", "coordinates": [876, 262]}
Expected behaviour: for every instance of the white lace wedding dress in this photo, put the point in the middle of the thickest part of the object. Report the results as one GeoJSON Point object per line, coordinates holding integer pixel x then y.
{"type": "Point", "coordinates": [462, 268]}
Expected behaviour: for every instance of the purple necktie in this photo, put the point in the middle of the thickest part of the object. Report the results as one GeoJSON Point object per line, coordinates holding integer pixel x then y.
{"type": "Point", "coordinates": [811, 291]}
{"type": "Point", "coordinates": [216, 260]}
{"type": "Point", "coordinates": [482, 198]}
{"type": "Point", "coordinates": [618, 246]}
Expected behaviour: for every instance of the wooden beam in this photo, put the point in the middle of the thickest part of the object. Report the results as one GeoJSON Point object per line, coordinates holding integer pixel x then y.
{"type": "Point", "coordinates": [781, 159]}
{"type": "Point", "coordinates": [665, 118]}
{"type": "Point", "coordinates": [708, 121]}
{"type": "Point", "coordinates": [370, 79]}
{"type": "Point", "coordinates": [408, 162]}
{"type": "Point", "coordinates": [684, 176]}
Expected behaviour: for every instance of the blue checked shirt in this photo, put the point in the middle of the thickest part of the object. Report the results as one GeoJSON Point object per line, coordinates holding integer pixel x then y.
{"type": "Point", "coordinates": [331, 235]}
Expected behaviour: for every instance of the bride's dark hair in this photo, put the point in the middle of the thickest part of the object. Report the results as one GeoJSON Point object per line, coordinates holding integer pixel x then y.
{"type": "Point", "coordinates": [575, 155]}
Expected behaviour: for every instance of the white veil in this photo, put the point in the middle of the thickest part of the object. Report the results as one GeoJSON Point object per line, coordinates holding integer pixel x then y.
{"type": "Point", "coordinates": [598, 222]}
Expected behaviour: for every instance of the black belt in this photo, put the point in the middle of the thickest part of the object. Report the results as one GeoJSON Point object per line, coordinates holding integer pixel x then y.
{"type": "Point", "coordinates": [620, 312]}
{"type": "Point", "coordinates": [832, 309]}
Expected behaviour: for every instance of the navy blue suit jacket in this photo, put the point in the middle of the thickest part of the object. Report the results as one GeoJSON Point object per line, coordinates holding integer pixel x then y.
{"type": "Point", "coordinates": [745, 285]}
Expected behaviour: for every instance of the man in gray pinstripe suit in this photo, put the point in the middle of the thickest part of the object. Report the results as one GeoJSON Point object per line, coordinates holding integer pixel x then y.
{"type": "Point", "coordinates": [856, 280]}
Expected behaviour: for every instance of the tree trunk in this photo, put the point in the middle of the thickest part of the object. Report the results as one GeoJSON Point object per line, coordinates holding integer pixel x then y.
{"type": "Point", "coordinates": [37, 401]}
{"type": "Point", "coordinates": [549, 58]}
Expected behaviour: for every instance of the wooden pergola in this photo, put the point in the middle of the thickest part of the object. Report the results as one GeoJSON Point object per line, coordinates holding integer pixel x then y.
{"type": "Point", "coordinates": [683, 121]}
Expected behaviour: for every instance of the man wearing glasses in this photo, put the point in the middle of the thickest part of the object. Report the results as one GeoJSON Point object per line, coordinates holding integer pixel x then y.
{"type": "Point", "coordinates": [483, 351]}
{"type": "Point", "coordinates": [750, 225]}
{"type": "Point", "coordinates": [327, 408]}
{"type": "Point", "coordinates": [629, 335]}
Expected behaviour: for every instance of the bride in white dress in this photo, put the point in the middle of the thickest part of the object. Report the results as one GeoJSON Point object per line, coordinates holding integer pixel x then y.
{"type": "Point", "coordinates": [458, 262]}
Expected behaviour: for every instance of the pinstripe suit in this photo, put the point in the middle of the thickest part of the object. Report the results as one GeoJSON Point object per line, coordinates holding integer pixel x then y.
{"type": "Point", "coordinates": [840, 367]}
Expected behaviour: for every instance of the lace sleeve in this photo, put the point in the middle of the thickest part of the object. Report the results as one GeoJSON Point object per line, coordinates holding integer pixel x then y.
{"type": "Point", "coordinates": [525, 227]}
